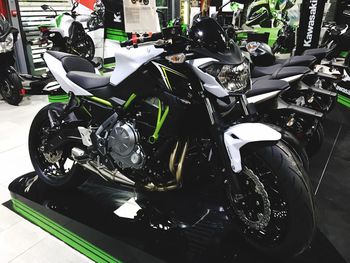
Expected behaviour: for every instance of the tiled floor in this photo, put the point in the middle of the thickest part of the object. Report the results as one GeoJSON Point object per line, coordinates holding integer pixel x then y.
{"type": "Point", "coordinates": [21, 241]}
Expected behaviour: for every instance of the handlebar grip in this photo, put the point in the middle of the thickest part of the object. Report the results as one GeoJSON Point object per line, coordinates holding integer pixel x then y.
{"type": "Point", "coordinates": [156, 36]}
{"type": "Point", "coordinates": [126, 43]}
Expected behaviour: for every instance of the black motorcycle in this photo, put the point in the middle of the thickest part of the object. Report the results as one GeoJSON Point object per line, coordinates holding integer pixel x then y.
{"type": "Point", "coordinates": [97, 17]}
{"type": "Point", "coordinates": [11, 88]}
{"type": "Point", "coordinates": [160, 126]}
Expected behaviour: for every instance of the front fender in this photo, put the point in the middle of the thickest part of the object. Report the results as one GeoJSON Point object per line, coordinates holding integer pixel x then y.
{"type": "Point", "coordinates": [239, 135]}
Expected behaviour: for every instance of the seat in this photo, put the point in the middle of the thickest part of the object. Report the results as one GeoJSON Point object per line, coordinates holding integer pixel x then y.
{"type": "Point", "coordinates": [263, 71]}
{"type": "Point", "coordinates": [263, 86]}
{"type": "Point", "coordinates": [72, 62]}
{"type": "Point", "coordinates": [319, 53]}
{"type": "Point", "coordinates": [305, 60]}
{"type": "Point", "coordinates": [286, 72]}
{"type": "Point", "coordinates": [88, 80]}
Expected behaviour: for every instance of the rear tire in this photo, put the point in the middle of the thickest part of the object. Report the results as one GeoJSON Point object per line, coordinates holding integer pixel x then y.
{"type": "Point", "coordinates": [74, 177]}
{"type": "Point", "coordinates": [291, 225]}
{"type": "Point", "coordinates": [11, 88]}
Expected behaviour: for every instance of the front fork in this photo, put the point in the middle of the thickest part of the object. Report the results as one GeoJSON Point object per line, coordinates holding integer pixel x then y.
{"type": "Point", "coordinates": [229, 145]}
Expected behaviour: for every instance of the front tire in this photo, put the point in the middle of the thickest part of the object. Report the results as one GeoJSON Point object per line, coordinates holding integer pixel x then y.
{"type": "Point", "coordinates": [281, 222]}
{"type": "Point", "coordinates": [56, 169]}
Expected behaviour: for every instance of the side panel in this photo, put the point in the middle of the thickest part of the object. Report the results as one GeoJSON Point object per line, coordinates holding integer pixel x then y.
{"type": "Point", "coordinates": [128, 60]}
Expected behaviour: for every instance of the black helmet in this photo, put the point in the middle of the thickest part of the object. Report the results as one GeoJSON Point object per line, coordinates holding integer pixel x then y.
{"type": "Point", "coordinates": [209, 34]}
{"type": "Point", "coordinates": [260, 53]}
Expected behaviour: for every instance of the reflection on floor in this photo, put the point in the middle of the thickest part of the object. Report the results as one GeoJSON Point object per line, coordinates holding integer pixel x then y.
{"type": "Point", "coordinates": [330, 174]}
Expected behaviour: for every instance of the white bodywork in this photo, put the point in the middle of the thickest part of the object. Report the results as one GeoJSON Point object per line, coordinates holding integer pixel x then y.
{"type": "Point", "coordinates": [128, 60]}
{"type": "Point", "coordinates": [239, 135]}
{"type": "Point", "coordinates": [66, 22]}
{"type": "Point", "coordinates": [60, 75]}
{"type": "Point", "coordinates": [293, 78]}
{"type": "Point", "coordinates": [263, 97]}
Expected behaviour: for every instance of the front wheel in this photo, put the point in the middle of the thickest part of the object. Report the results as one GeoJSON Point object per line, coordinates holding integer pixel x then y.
{"type": "Point", "coordinates": [11, 89]}
{"type": "Point", "coordinates": [92, 24]}
{"type": "Point", "coordinates": [83, 47]}
{"type": "Point", "coordinates": [275, 213]}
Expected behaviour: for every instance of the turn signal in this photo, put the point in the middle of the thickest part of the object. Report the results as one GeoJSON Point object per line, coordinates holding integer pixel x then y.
{"type": "Point", "coordinates": [176, 58]}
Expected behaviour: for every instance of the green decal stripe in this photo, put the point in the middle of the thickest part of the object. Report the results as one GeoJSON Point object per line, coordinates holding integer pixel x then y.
{"type": "Point", "coordinates": [344, 100]}
{"type": "Point", "coordinates": [174, 72]}
{"type": "Point", "coordinates": [166, 78]}
{"type": "Point", "coordinates": [347, 104]}
{"type": "Point", "coordinates": [116, 31]}
{"type": "Point", "coordinates": [58, 20]}
{"type": "Point", "coordinates": [114, 37]}
{"type": "Point", "coordinates": [101, 101]}
{"type": "Point", "coordinates": [343, 54]}
{"type": "Point", "coordinates": [63, 234]}
{"type": "Point", "coordinates": [130, 99]}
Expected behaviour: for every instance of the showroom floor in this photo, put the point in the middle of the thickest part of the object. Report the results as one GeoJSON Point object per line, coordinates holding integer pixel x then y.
{"type": "Point", "coordinates": [20, 240]}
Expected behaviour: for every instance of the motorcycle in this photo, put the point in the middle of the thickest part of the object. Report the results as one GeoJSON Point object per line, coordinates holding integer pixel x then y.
{"type": "Point", "coordinates": [97, 16]}
{"type": "Point", "coordinates": [11, 88]}
{"type": "Point", "coordinates": [268, 13]}
{"type": "Point", "coordinates": [169, 133]}
{"type": "Point", "coordinates": [67, 33]}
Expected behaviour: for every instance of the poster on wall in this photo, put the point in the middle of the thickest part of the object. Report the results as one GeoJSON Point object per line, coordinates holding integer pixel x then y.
{"type": "Point", "coordinates": [141, 16]}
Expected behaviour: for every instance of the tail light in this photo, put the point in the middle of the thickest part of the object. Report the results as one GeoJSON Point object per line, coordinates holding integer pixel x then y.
{"type": "Point", "coordinates": [43, 29]}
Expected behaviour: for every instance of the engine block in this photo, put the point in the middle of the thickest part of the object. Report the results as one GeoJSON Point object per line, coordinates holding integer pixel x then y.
{"type": "Point", "coordinates": [124, 147]}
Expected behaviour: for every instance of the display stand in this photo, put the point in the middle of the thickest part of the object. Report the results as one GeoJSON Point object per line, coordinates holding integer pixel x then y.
{"type": "Point", "coordinates": [86, 220]}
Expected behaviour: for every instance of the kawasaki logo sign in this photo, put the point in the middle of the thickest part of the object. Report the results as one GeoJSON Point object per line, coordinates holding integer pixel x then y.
{"type": "Point", "coordinates": [311, 14]}
{"type": "Point", "coordinates": [311, 24]}
{"type": "Point", "coordinates": [343, 90]}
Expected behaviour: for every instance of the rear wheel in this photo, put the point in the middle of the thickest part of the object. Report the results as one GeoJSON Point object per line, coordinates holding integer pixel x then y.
{"type": "Point", "coordinates": [55, 168]}
{"type": "Point", "coordinates": [11, 89]}
{"type": "Point", "coordinates": [275, 213]}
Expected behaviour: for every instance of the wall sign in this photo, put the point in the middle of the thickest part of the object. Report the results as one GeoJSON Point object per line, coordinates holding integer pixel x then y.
{"type": "Point", "coordinates": [311, 15]}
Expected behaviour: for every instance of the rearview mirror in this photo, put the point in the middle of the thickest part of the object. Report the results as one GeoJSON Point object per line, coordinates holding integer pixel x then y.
{"type": "Point", "coordinates": [45, 7]}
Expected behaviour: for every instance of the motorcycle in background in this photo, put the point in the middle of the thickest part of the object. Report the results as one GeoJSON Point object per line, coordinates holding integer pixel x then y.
{"type": "Point", "coordinates": [11, 88]}
{"type": "Point", "coordinates": [267, 13]}
{"type": "Point", "coordinates": [97, 16]}
{"type": "Point", "coordinates": [67, 33]}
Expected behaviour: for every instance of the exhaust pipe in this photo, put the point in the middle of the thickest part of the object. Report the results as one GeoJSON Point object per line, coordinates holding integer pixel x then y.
{"type": "Point", "coordinates": [84, 161]}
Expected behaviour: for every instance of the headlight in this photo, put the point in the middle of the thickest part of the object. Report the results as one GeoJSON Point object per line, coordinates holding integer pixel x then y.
{"type": "Point", "coordinates": [7, 45]}
{"type": "Point", "coordinates": [232, 77]}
